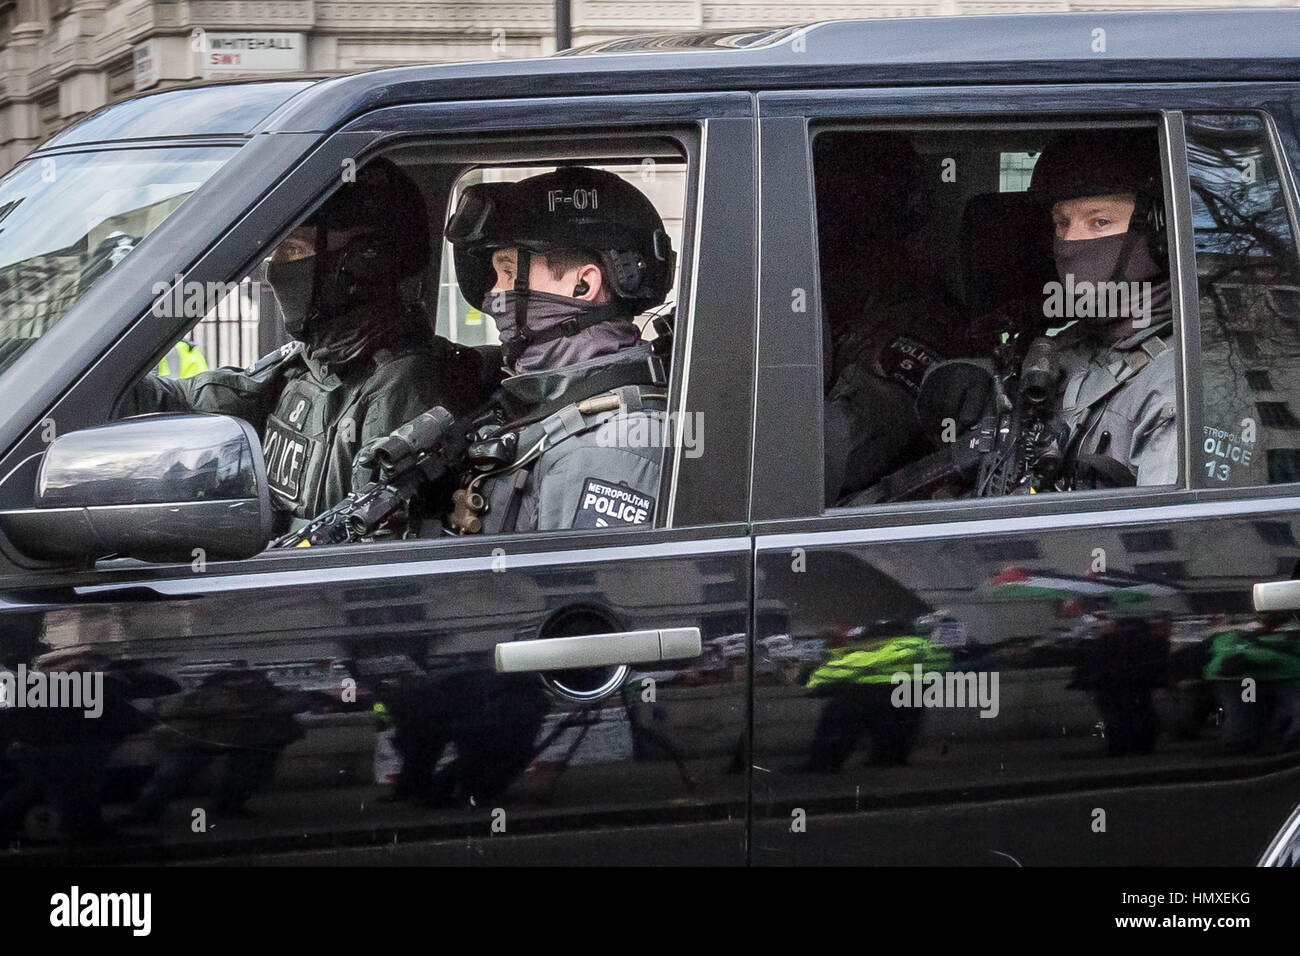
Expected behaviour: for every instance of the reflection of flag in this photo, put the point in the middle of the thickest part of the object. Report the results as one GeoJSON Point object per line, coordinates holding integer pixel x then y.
{"type": "Point", "coordinates": [1016, 583]}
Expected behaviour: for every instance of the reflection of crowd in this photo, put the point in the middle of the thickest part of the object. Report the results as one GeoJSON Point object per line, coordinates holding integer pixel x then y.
{"type": "Point", "coordinates": [467, 735]}
{"type": "Point", "coordinates": [59, 759]}
{"type": "Point", "coordinates": [1255, 671]}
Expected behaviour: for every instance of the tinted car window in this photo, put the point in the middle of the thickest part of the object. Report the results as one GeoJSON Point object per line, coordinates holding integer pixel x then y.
{"type": "Point", "coordinates": [969, 336]}
{"type": "Point", "coordinates": [204, 111]}
{"type": "Point", "coordinates": [1249, 281]}
{"type": "Point", "coordinates": [65, 221]}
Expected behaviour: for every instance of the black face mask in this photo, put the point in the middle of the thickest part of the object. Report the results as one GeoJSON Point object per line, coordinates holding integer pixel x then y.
{"type": "Point", "coordinates": [293, 283]}
{"type": "Point", "coordinates": [561, 330]}
{"type": "Point", "coordinates": [1123, 257]}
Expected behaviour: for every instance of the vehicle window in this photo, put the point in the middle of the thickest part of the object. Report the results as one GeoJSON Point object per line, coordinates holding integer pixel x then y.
{"type": "Point", "coordinates": [996, 312]}
{"type": "Point", "coordinates": [244, 321]}
{"type": "Point", "coordinates": [1248, 275]}
{"type": "Point", "coordinates": [65, 221]}
{"type": "Point", "coordinates": [396, 318]}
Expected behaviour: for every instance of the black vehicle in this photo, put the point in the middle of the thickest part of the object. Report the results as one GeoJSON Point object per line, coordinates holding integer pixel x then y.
{"type": "Point", "coordinates": [727, 692]}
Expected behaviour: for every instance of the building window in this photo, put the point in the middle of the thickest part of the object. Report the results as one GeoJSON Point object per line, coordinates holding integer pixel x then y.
{"type": "Point", "coordinates": [1283, 465]}
{"type": "Point", "coordinates": [1277, 415]}
{"type": "Point", "coordinates": [1014, 172]}
{"type": "Point", "coordinates": [1257, 379]}
{"type": "Point", "coordinates": [1275, 532]}
{"type": "Point", "coordinates": [1140, 541]}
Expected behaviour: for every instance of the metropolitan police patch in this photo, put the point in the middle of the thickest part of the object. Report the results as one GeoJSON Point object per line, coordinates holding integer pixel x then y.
{"type": "Point", "coordinates": [607, 504]}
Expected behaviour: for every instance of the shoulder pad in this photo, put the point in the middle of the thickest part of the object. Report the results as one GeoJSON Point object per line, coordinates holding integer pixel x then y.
{"type": "Point", "coordinates": [285, 353]}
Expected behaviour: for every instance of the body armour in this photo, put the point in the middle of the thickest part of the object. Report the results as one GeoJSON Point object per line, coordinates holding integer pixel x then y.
{"type": "Point", "coordinates": [1120, 400]}
{"type": "Point", "coordinates": [597, 470]}
{"type": "Point", "coordinates": [314, 417]}
{"type": "Point", "coordinates": [876, 364]}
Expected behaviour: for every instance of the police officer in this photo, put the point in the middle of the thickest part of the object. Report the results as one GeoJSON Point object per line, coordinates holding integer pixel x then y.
{"type": "Point", "coordinates": [1113, 363]}
{"type": "Point", "coordinates": [887, 320]}
{"type": "Point", "coordinates": [183, 361]}
{"type": "Point", "coordinates": [364, 360]}
{"type": "Point", "coordinates": [562, 262]}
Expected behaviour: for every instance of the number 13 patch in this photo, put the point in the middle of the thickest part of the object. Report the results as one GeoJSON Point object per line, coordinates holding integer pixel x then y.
{"type": "Point", "coordinates": [607, 504]}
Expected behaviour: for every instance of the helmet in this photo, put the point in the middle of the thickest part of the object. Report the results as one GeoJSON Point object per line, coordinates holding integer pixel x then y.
{"type": "Point", "coordinates": [574, 207]}
{"type": "Point", "coordinates": [1103, 162]}
{"type": "Point", "coordinates": [386, 203]}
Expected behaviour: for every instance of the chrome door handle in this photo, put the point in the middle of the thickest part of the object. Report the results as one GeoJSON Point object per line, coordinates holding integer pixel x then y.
{"type": "Point", "coordinates": [1277, 596]}
{"type": "Point", "coordinates": [598, 650]}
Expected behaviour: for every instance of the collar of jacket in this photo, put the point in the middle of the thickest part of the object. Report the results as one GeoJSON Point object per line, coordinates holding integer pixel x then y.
{"type": "Point", "coordinates": [379, 327]}
{"type": "Point", "coordinates": [533, 388]}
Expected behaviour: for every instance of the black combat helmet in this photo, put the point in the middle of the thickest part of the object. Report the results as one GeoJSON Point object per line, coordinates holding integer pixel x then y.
{"type": "Point", "coordinates": [1104, 162]}
{"type": "Point", "coordinates": [317, 294]}
{"type": "Point", "coordinates": [386, 203]}
{"type": "Point", "coordinates": [574, 207]}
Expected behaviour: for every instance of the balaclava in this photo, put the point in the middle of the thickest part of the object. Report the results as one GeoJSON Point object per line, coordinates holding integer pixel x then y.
{"type": "Point", "coordinates": [342, 302]}
{"type": "Point", "coordinates": [592, 329]}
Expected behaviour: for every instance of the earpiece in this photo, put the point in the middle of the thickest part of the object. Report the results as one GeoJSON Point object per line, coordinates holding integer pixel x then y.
{"type": "Point", "coordinates": [581, 288]}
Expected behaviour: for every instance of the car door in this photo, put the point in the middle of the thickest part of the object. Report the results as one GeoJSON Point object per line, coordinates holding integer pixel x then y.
{"type": "Point", "coordinates": [276, 700]}
{"type": "Point", "coordinates": [1086, 614]}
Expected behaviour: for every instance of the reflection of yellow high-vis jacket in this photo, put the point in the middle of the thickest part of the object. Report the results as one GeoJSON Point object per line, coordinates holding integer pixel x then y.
{"type": "Point", "coordinates": [876, 661]}
{"type": "Point", "coordinates": [183, 361]}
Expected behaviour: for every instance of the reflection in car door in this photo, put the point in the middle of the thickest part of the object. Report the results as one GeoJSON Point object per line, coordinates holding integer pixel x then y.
{"type": "Point", "coordinates": [351, 702]}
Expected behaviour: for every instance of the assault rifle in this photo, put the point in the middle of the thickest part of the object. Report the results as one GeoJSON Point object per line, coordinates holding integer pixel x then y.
{"type": "Point", "coordinates": [1009, 440]}
{"type": "Point", "coordinates": [414, 457]}
{"type": "Point", "coordinates": [1029, 449]}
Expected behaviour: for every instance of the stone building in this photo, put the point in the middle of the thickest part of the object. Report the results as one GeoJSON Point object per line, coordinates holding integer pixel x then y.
{"type": "Point", "coordinates": [62, 59]}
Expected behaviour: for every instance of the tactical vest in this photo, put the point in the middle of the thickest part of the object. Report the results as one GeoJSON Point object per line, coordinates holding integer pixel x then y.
{"type": "Point", "coordinates": [497, 497]}
{"type": "Point", "coordinates": [311, 417]}
{"type": "Point", "coordinates": [1099, 428]}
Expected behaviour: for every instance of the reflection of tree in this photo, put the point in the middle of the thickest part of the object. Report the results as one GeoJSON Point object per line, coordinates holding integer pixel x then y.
{"type": "Point", "coordinates": [1245, 249]}
{"type": "Point", "coordinates": [1251, 236]}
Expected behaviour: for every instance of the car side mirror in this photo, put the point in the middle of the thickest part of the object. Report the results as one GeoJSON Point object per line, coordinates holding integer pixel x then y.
{"type": "Point", "coordinates": [155, 487]}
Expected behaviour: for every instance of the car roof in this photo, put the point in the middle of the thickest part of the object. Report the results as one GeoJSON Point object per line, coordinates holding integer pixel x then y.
{"type": "Point", "coordinates": [1090, 46]}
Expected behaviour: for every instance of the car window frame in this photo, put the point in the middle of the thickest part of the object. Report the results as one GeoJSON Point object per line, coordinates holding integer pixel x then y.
{"type": "Point", "coordinates": [315, 176]}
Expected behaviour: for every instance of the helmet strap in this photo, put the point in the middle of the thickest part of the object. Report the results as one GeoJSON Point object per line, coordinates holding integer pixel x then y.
{"type": "Point", "coordinates": [521, 297]}
{"type": "Point", "coordinates": [1140, 229]}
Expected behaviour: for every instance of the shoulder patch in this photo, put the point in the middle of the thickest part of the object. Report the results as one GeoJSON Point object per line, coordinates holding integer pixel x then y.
{"type": "Point", "coordinates": [283, 354]}
{"type": "Point", "coordinates": [611, 504]}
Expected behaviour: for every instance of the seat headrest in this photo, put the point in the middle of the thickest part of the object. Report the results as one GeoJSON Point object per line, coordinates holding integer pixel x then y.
{"type": "Point", "coordinates": [1006, 250]}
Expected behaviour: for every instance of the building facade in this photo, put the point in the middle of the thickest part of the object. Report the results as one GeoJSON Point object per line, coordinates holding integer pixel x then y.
{"type": "Point", "coordinates": [62, 59]}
